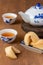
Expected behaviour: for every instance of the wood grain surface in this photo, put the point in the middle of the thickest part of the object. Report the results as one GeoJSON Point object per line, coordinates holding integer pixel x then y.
{"type": "Point", "coordinates": [26, 57]}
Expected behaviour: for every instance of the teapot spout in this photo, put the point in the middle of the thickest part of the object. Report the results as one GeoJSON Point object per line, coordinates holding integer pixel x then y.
{"type": "Point", "coordinates": [24, 16]}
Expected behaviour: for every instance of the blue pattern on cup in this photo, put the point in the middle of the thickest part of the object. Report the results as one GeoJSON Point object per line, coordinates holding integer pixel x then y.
{"type": "Point", "coordinates": [6, 39]}
{"type": "Point", "coordinates": [10, 19]}
{"type": "Point", "coordinates": [7, 21]}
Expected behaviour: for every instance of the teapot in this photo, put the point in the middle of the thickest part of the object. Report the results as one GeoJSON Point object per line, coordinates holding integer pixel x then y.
{"type": "Point", "coordinates": [33, 15]}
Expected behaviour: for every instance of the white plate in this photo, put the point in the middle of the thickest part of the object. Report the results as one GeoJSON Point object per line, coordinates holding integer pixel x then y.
{"type": "Point", "coordinates": [30, 48]}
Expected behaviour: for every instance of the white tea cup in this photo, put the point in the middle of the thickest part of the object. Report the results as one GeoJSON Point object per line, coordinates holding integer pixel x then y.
{"type": "Point", "coordinates": [6, 38]}
{"type": "Point", "coordinates": [9, 18]}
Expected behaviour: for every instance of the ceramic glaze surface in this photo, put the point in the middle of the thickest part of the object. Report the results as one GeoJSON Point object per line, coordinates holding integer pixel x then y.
{"type": "Point", "coordinates": [33, 15]}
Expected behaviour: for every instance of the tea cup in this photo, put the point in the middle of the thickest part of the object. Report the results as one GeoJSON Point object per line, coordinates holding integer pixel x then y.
{"type": "Point", "coordinates": [9, 39]}
{"type": "Point", "coordinates": [9, 18]}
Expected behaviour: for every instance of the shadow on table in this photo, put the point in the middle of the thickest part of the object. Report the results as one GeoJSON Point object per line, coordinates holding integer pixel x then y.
{"type": "Point", "coordinates": [18, 21]}
{"type": "Point", "coordinates": [18, 39]}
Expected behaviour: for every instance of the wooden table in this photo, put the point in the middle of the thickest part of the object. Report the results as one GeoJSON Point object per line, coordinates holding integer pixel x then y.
{"type": "Point", "coordinates": [26, 57]}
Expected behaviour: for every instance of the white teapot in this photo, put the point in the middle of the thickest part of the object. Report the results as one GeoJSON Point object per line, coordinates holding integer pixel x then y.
{"type": "Point", "coordinates": [34, 15]}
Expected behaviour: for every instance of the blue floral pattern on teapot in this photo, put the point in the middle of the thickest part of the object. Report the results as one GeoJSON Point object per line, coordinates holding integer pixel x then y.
{"type": "Point", "coordinates": [39, 16]}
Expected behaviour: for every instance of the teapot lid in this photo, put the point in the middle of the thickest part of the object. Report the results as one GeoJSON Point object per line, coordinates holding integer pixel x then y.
{"type": "Point", "coordinates": [38, 6]}
{"type": "Point", "coordinates": [35, 10]}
